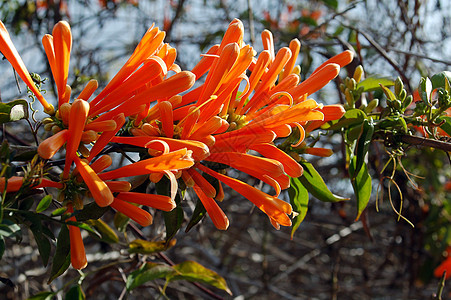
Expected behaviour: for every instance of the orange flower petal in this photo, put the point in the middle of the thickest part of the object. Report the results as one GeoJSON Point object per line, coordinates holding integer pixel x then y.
{"type": "Point", "coordinates": [342, 59]}
{"type": "Point", "coordinates": [106, 137]}
{"type": "Point", "coordinates": [118, 186]}
{"type": "Point", "coordinates": [77, 249]}
{"type": "Point", "coordinates": [89, 89]}
{"type": "Point", "coordinates": [160, 202]}
{"type": "Point", "coordinates": [202, 183]}
{"type": "Point", "coordinates": [295, 46]}
{"type": "Point", "coordinates": [9, 51]}
{"type": "Point", "coordinates": [268, 42]}
{"type": "Point", "coordinates": [135, 213]}
{"type": "Point", "coordinates": [175, 160]}
{"type": "Point", "coordinates": [51, 145]}
{"type": "Point", "coordinates": [167, 120]}
{"type": "Point", "coordinates": [290, 166]}
{"type": "Point", "coordinates": [62, 44]}
{"type": "Point", "coordinates": [205, 63]}
{"type": "Point", "coordinates": [216, 214]}
{"type": "Point", "coordinates": [99, 190]}
{"type": "Point", "coordinates": [272, 206]}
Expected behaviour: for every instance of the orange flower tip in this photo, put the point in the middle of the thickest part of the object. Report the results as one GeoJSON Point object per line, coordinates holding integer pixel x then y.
{"type": "Point", "coordinates": [332, 112]}
{"type": "Point", "coordinates": [49, 109]}
{"type": "Point", "coordinates": [323, 152]}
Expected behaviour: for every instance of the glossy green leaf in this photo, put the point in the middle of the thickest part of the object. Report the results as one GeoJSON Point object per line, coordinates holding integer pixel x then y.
{"type": "Point", "coordinates": [388, 93]}
{"type": "Point", "coordinates": [363, 143]}
{"type": "Point", "coordinates": [106, 232]}
{"type": "Point", "coordinates": [75, 293]}
{"type": "Point", "coordinates": [193, 271]}
{"type": "Point", "coordinates": [373, 83]}
{"type": "Point", "coordinates": [351, 117]}
{"type": "Point", "coordinates": [91, 211]}
{"type": "Point", "coordinates": [42, 296]}
{"type": "Point", "coordinates": [446, 126]}
{"type": "Point", "coordinates": [439, 79]}
{"type": "Point", "coordinates": [361, 183]}
{"type": "Point", "coordinates": [13, 111]}
{"type": "Point", "coordinates": [61, 259]}
{"type": "Point", "coordinates": [299, 201]}
{"type": "Point", "coordinates": [149, 271]}
{"type": "Point", "coordinates": [314, 183]}
{"type": "Point", "coordinates": [42, 241]}
{"type": "Point", "coordinates": [44, 203]}
{"type": "Point", "coordinates": [198, 214]}
{"type": "Point", "coordinates": [59, 211]}
{"type": "Point", "coordinates": [148, 247]}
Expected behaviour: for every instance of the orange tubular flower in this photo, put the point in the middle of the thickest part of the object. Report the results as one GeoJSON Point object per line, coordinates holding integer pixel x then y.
{"type": "Point", "coordinates": [62, 44]}
{"type": "Point", "coordinates": [77, 249]}
{"type": "Point", "coordinates": [15, 183]}
{"type": "Point", "coordinates": [9, 51]}
{"type": "Point", "coordinates": [135, 213]}
{"type": "Point", "coordinates": [216, 214]}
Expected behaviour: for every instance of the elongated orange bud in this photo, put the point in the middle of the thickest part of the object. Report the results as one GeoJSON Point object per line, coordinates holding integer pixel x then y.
{"type": "Point", "coordinates": [67, 93]}
{"type": "Point", "coordinates": [135, 213]}
{"type": "Point", "coordinates": [202, 183]}
{"type": "Point", "coordinates": [268, 42]}
{"type": "Point", "coordinates": [107, 125]}
{"type": "Point", "coordinates": [77, 119]}
{"type": "Point", "coordinates": [89, 89]}
{"type": "Point", "coordinates": [295, 46]}
{"type": "Point", "coordinates": [89, 136]}
{"type": "Point", "coordinates": [323, 152]}
{"type": "Point", "coordinates": [64, 112]}
{"type": "Point", "coordinates": [342, 59]}
{"type": "Point", "coordinates": [51, 145]}
{"type": "Point", "coordinates": [216, 214]}
{"type": "Point", "coordinates": [290, 166]}
{"type": "Point", "coordinates": [150, 130]}
{"type": "Point", "coordinates": [106, 136]}
{"type": "Point", "coordinates": [62, 44]}
{"type": "Point", "coordinates": [166, 117]}
{"type": "Point", "coordinates": [233, 34]}
{"type": "Point", "coordinates": [332, 112]}
{"type": "Point", "coordinates": [118, 186]}
{"type": "Point", "coordinates": [14, 184]}
{"type": "Point", "coordinates": [160, 202]}
{"type": "Point", "coordinates": [9, 51]}
{"type": "Point", "coordinates": [207, 128]}
{"type": "Point", "coordinates": [205, 63]}
{"type": "Point", "coordinates": [189, 181]}
{"type": "Point", "coordinates": [47, 42]}
{"type": "Point", "coordinates": [99, 190]}
{"type": "Point", "coordinates": [77, 249]}
{"type": "Point", "coordinates": [101, 163]}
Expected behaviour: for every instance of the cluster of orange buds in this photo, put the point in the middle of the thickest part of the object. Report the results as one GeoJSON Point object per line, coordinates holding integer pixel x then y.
{"type": "Point", "coordinates": [190, 136]}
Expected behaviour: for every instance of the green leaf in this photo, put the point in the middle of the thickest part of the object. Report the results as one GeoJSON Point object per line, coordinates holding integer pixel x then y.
{"type": "Point", "coordinates": [91, 211]}
{"type": "Point", "coordinates": [193, 271]}
{"type": "Point", "coordinates": [42, 296]}
{"type": "Point", "coordinates": [59, 211]}
{"type": "Point", "coordinates": [198, 214]}
{"type": "Point", "coordinates": [363, 143]}
{"type": "Point", "coordinates": [331, 3]}
{"type": "Point", "coordinates": [299, 200]}
{"type": "Point", "coordinates": [351, 117]}
{"type": "Point", "coordinates": [446, 126]}
{"type": "Point", "coordinates": [147, 247]}
{"type": "Point", "coordinates": [2, 247]}
{"type": "Point", "coordinates": [121, 221]}
{"type": "Point", "coordinates": [149, 271]}
{"type": "Point", "coordinates": [61, 259]}
{"type": "Point", "coordinates": [373, 83]}
{"type": "Point", "coordinates": [42, 241]}
{"type": "Point", "coordinates": [388, 93]}
{"type": "Point", "coordinates": [313, 182]}
{"type": "Point", "coordinates": [361, 182]}
{"type": "Point", "coordinates": [44, 203]}
{"type": "Point", "coordinates": [13, 111]}
{"type": "Point", "coordinates": [9, 230]}
{"type": "Point", "coordinates": [107, 233]}
{"type": "Point", "coordinates": [75, 293]}
{"type": "Point", "coordinates": [439, 79]}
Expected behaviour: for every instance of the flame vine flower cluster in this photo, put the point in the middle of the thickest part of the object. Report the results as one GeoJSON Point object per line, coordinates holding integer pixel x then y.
{"type": "Point", "coordinates": [193, 136]}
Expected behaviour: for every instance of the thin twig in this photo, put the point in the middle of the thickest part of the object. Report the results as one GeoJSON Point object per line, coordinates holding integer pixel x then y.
{"type": "Point", "coordinates": [421, 141]}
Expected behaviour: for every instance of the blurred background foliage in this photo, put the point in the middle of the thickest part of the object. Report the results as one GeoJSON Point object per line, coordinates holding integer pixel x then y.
{"type": "Point", "coordinates": [330, 256]}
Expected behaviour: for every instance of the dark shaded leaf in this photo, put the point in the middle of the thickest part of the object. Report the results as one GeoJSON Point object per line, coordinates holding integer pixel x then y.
{"type": "Point", "coordinates": [193, 271]}
{"type": "Point", "coordinates": [91, 211]}
{"type": "Point", "coordinates": [446, 126]}
{"type": "Point", "coordinates": [121, 221]}
{"type": "Point", "coordinates": [299, 201]}
{"type": "Point", "coordinates": [198, 214]}
{"type": "Point", "coordinates": [107, 233]}
{"type": "Point", "coordinates": [42, 296]}
{"type": "Point", "coordinates": [313, 182]}
{"type": "Point", "coordinates": [75, 293]}
{"type": "Point", "coordinates": [61, 259]}
{"type": "Point", "coordinates": [173, 219]}
{"type": "Point", "coordinates": [147, 247]}
{"type": "Point", "coordinates": [149, 271]}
